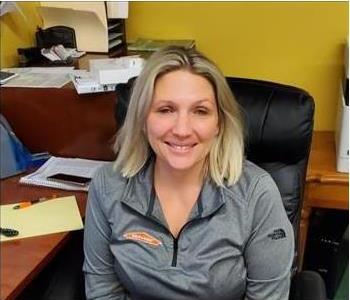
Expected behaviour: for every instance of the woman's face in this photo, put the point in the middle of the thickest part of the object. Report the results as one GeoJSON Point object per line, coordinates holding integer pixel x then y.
{"type": "Point", "coordinates": [183, 120]}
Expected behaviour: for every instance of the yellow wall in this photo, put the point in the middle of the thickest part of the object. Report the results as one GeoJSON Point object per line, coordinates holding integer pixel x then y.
{"type": "Point", "coordinates": [297, 43]}
{"type": "Point", "coordinates": [18, 32]}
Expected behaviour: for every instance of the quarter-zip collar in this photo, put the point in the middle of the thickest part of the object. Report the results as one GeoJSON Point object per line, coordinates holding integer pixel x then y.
{"type": "Point", "coordinates": [141, 197]}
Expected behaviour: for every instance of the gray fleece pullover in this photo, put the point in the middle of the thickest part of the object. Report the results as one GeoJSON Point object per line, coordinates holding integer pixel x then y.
{"type": "Point", "coordinates": [237, 243]}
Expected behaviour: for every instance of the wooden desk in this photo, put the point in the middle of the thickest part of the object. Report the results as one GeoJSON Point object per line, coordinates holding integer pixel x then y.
{"type": "Point", "coordinates": [65, 124]}
{"type": "Point", "coordinates": [62, 122]}
{"type": "Point", "coordinates": [22, 260]}
{"type": "Point", "coordinates": [325, 188]}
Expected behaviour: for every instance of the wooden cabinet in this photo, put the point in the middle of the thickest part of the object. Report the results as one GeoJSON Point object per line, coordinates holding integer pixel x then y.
{"type": "Point", "coordinates": [325, 187]}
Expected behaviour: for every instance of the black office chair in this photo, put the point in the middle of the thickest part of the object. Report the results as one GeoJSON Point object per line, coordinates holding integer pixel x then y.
{"type": "Point", "coordinates": [279, 125]}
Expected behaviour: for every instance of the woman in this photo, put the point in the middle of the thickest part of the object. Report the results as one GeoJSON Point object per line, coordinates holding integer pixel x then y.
{"type": "Point", "coordinates": [181, 214]}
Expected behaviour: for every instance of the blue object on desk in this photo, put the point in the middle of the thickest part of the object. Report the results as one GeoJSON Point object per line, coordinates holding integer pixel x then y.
{"type": "Point", "coordinates": [15, 158]}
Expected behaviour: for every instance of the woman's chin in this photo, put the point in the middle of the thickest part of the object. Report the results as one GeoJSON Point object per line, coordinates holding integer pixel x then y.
{"type": "Point", "coordinates": [183, 164]}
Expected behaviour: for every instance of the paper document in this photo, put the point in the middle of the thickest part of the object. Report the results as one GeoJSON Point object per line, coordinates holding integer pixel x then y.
{"type": "Point", "coordinates": [52, 216]}
{"type": "Point", "coordinates": [39, 77]}
{"type": "Point", "coordinates": [70, 166]}
{"type": "Point", "coordinates": [41, 70]}
{"type": "Point", "coordinates": [154, 45]}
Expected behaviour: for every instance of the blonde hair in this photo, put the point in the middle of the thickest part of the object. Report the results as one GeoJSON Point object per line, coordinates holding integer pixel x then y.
{"type": "Point", "coordinates": [225, 158]}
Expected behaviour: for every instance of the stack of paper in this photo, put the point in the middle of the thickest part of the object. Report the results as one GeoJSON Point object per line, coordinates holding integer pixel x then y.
{"type": "Point", "coordinates": [70, 166]}
{"type": "Point", "coordinates": [154, 45]}
{"type": "Point", "coordinates": [37, 77]}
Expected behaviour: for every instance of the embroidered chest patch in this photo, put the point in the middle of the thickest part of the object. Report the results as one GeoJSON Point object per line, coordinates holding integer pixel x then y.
{"type": "Point", "coordinates": [142, 236]}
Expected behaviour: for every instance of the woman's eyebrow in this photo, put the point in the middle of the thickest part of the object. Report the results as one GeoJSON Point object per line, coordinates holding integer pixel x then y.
{"type": "Point", "coordinates": [164, 101]}
{"type": "Point", "coordinates": [204, 101]}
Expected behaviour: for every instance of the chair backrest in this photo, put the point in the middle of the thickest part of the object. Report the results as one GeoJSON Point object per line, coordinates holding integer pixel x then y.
{"type": "Point", "coordinates": [278, 133]}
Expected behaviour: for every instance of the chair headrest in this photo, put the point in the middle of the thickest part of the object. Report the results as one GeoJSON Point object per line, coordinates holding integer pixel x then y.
{"type": "Point", "coordinates": [278, 120]}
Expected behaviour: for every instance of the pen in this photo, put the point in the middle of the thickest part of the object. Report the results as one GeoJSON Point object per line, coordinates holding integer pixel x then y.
{"type": "Point", "coordinates": [30, 203]}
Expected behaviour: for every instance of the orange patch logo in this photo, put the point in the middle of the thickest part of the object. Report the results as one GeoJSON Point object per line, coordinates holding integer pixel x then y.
{"type": "Point", "coordinates": [142, 236]}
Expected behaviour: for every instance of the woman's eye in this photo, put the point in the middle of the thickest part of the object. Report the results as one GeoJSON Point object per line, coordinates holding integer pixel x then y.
{"type": "Point", "coordinates": [165, 110]}
{"type": "Point", "coordinates": [201, 111]}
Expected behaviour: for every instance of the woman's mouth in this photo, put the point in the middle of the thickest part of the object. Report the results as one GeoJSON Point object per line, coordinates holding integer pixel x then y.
{"type": "Point", "coordinates": [180, 147]}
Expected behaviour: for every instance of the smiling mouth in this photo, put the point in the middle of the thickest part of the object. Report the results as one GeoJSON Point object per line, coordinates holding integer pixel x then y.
{"type": "Point", "coordinates": [181, 148]}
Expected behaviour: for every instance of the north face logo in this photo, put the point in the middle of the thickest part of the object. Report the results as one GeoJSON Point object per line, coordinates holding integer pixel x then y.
{"type": "Point", "coordinates": [277, 234]}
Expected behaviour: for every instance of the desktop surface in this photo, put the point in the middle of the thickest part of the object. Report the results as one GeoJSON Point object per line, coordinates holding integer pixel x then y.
{"type": "Point", "coordinates": [21, 260]}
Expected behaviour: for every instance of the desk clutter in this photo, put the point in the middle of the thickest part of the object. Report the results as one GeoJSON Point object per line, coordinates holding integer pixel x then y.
{"type": "Point", "coordinates": [102, 75]}
{"type": "Point", "coordinates": [37, 77]}
{"type": "Point", "coordinates": [6, 76]}
{"type": "Point", "coordinates": [40, 218]}
{"type": "Point", "coordinates": [105, 74]}
{"type": "Point", "coordinates": [152, 45]}
{"type": "Point", "coordinates": [55, 46]}
{"type": "Point", "coordinates": [14, 156]}
{"type": "Point", "coordinates": [64, 173]}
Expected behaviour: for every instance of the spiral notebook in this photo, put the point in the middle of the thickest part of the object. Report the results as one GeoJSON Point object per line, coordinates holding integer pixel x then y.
{"type": "Point", "coordinates": [70, 166]}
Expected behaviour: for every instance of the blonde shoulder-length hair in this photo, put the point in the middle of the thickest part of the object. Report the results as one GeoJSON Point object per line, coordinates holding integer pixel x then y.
{"type": "Point", "coordinates": [225, 158]}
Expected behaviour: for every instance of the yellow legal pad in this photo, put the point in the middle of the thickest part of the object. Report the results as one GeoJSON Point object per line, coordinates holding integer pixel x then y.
{"type": "Point", "coordinates": [52, 216]}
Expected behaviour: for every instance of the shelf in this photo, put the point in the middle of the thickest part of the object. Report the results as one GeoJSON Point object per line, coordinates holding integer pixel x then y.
{"type": "Point", "coordinates": [116, 37]}
{"type": "Point", "coordinates": [113, 26]}
{"type": "Point", "coordinates": [114, 44]}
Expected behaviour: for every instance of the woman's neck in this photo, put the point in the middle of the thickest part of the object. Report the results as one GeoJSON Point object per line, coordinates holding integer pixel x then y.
{"type": "Point", "coordinates": [178, 178]}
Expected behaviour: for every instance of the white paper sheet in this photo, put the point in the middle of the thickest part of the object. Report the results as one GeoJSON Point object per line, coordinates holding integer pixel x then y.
{"type": "Point", "coordinates": [71, 166]}
{"type": "Point", "coordinates": [39, 77]}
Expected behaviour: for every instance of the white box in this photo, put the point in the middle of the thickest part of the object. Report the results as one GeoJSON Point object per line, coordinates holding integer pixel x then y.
{"type": "Point", "coordinates": [85, 84]}
{"type": "Point", "coordinates": [115, 70]}
{"type": "Point", "coordinates": [342, 136]}
{"type": "Point", "coordinates": [117, 9]}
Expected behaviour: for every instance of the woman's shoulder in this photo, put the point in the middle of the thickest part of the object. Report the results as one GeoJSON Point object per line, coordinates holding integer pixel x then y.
{"type": "Point", "coordinates": [251, 170]}
{"type": "Point", "coordinates": [252, 178]}
{"type": "Point", "coordinates": [108, 179]}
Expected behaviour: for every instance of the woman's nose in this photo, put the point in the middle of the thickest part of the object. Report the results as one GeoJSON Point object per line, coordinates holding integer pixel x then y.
{"type": "Point", "coordinates": [182, 125]}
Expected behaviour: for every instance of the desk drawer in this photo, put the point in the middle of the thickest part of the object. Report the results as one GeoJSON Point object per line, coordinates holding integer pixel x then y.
{"type": "Point", "coordinates": [327, 195]}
